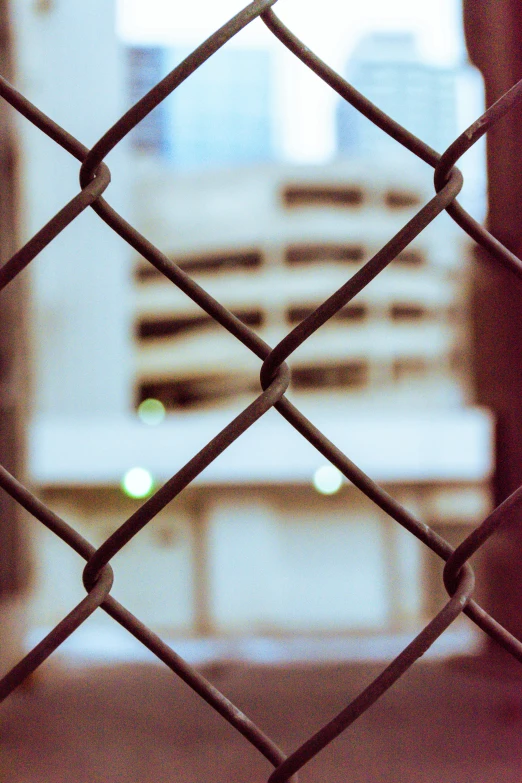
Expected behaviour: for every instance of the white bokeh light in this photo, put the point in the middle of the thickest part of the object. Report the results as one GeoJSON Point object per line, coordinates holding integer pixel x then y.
{"type": "Point", "coordinates": [327, 480]}
{"type": "Point", "coordinates": [137, 483]}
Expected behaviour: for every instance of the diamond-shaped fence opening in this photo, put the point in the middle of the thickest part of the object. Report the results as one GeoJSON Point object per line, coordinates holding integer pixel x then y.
{"type": "Point", "coordinates": [274, 380]}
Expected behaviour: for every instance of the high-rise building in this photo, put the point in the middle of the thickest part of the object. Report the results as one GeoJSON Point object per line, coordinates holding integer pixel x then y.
{"type": "Point", "coordinates": [145, 67]}
{"type": "Point", "coordinates": [387, 69]}
{"type": "Point", "coordinates": [433, 102]}
{"type": "Point", "coordinates": [221, 117]}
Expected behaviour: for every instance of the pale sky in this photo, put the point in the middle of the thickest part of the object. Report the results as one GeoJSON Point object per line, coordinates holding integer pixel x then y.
{"type": "Point", "coordinates": [330, 27]}
{"type": "Point", "coordinates": [303, 105]}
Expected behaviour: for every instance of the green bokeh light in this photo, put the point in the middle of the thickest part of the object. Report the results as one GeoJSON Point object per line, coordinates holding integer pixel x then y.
{"type": "Point", "coordinates": [151, 412]}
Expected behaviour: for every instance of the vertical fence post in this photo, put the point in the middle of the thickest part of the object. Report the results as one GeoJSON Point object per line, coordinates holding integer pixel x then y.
{"type": "Point", "coordinates": [13, 560]}
{"type": "Point", "coordinates": [493, 29]}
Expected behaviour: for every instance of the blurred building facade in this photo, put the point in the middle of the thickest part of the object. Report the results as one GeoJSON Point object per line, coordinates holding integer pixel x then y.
{"type": "Point", "coordinates": [251, 547]}
{"type": "Point", "coordinates": [272, 243]}
{"type": "Point", "coordinates": [221, 117]}
{"type": "Point", "coordinates": [436, 103]}
{"type": "Point", "coordinates": [388, 70]}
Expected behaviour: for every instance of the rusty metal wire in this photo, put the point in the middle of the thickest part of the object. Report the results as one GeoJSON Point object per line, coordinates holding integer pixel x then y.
{"type": "Point", "coordinates": [274, 380]}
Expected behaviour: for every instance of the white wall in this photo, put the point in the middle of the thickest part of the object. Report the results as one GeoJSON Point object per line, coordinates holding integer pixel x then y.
{"type": "Point", "coordinates": [69, 65]}
{"type": "Point", "coordinates": [153, 575]}
{"type": "Point", "coordinates": [297, 564]}
{"type": "Point", "coordinates": [265, 560]}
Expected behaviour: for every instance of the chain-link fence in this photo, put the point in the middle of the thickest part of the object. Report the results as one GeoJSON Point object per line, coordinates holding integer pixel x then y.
{"type": "Point", "coordinates": [274, 380]}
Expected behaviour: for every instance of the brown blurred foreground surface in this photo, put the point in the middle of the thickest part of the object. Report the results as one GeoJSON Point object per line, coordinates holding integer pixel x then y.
{"type": "Point", "coordinates": [450, 722]}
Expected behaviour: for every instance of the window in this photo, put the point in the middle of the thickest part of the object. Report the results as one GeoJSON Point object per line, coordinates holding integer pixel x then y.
{"type": "Point", "coordinates": [410, 258]}
{"type": "Point", "coordinates": [351, 312]}
{"type": "Point", "coordinates": [401, 199]}
{"type": "Point", "coordinates": [146, 67]}
{"type": "Point", "coordinates": [197, 391]}
{"type": "Point", "coordinates": [333, 376]}
{"type": "Point", "coordinates": [458, 361]}
{"type": "Point", "coordinates": [222, 262]}
{"type": "Point", "coordinates": [409, 368]}
{"type": "Point", "coordinates": [174, 326]}
{"type": "Point", "coordinates": [311, 253]}
{"type": "Point", "coordinates": [295, 196]}
{"type": "Point", "coordinates": [227, 262]}
{"type": "Point", "coordinates": [405, 311]}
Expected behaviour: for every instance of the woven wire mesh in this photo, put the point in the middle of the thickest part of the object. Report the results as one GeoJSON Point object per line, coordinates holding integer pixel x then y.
{"type": "Point", "coordinates": [274, 380]}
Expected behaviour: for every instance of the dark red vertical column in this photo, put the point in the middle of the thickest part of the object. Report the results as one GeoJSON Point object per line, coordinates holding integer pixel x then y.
{"type": "Point", "coordinates": [13, 372]}
{"type": "Point", "coordinates": [493, 31]}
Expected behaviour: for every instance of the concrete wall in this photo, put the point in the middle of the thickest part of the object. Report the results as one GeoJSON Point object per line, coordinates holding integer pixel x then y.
{"type": "Point", "coordinates": [260, 560]}
{"type": "Point", "coordinates": [69, 65]}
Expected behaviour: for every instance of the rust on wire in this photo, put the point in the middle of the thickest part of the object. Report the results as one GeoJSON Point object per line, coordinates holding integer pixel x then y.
{"type": "Point", "coordinates": [274, 379]}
